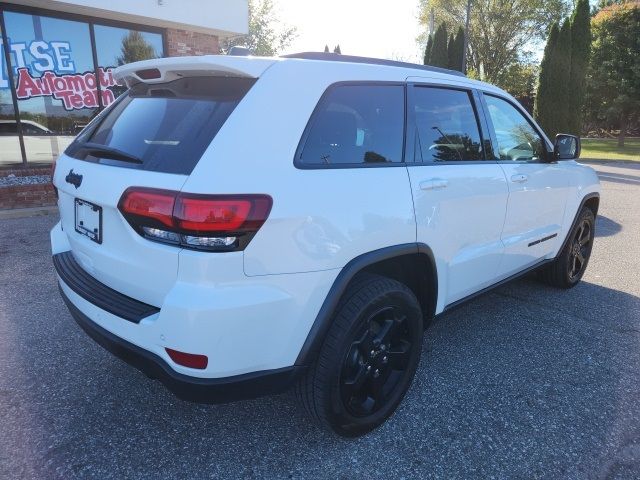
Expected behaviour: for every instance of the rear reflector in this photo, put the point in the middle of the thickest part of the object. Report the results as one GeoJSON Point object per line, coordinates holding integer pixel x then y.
{"type": "Point", "coordinates": [190, 360]}
{"type": "Point", "coordinates": [201, 222]}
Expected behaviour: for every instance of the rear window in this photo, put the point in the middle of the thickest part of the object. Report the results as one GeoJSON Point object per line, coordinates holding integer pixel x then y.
{"type": "Point", "coordinates": [161, 127]}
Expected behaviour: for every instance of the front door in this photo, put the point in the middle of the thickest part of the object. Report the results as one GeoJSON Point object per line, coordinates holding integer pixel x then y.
{"type": "Point", "coordinates": [537, 189]}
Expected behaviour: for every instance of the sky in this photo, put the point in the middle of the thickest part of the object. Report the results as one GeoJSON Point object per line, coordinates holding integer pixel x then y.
{"type": "Point", "coordinates": [372, 28]}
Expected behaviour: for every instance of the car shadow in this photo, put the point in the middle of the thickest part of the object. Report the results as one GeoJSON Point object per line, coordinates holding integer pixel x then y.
{"type": "Point", "coordinates": [619, 178]}
{"type": "Point", "coordinates": [626, 164]}
{"type": "Point", "coordinates": [605, 227]}
{"type": "Point", "coordinates": [516, 381]}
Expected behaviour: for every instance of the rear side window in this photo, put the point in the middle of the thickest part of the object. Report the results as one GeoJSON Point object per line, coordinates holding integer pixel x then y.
{"type": "Point", "coordinates": [446, 126]}
{"type": "Point", "coordinates": [356, 124]}
{"type": "Point", "coordinates": [162, 127]}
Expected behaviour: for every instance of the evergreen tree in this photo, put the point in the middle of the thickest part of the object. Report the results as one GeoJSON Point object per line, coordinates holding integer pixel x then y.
{"type": "Point", "coordinates": [427, 50]}
{"type": "Point", "coordinates": [451, 53]}
{"type": "Point", "coordinates": [563, 88]}
{"type": "Point", "coordinates": [134, 48]}
{"type": "Point", "coordinates": [459, 50]}
{"type": "Point", "coordinates": [439, 54]}
{"type": "Point", "coordinates": [544, 108]}
{"type": "Point", "coordinates": [337, 49]}
{"type": "Point", "coordinates": [580, 49]}
{"type": "Point", "coordinates": [326, 49]}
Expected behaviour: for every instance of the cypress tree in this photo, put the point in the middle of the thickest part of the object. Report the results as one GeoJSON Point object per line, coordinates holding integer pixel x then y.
{"type": "Point", "coordinates": [451, 53]}
{"type": "Point", "coordinates": [427, 50]}
{"type": "Point", "coordinates": [439, 54]}
{"type": "Point", "coordinates": [459, 49]}
{"type": "Point", "coordinates": [580, 50]}
{"type": "Point", "coordinates": [326, 49]}
{"type": "Point", "coordinates": [563, 91]}
{"type": "Point", "coordinates": [337, 49]}
{"type": "Point", "coordinates": [544, 108]}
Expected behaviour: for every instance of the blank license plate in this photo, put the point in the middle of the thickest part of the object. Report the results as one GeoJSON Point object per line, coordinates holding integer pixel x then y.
{"type": "Point", "coordinates": [89, 220]}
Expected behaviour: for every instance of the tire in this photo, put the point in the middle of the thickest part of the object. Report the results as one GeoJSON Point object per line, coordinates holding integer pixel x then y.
{"type": "Point", "coordinates": [570, 264]}
{"type": "Point", "coordinates": [368, 359]}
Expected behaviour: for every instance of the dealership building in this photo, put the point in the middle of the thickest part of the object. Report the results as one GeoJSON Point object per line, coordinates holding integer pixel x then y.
{"type": "Point", "coordinates": [57, 63]}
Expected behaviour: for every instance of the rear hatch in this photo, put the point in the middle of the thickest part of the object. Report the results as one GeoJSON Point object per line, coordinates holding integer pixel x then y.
{"type": "Point", "coordinates": [151, 137]}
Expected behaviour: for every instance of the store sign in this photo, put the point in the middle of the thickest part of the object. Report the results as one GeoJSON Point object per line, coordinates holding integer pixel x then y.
{"type": "Point", "coordinates": [46, 69]}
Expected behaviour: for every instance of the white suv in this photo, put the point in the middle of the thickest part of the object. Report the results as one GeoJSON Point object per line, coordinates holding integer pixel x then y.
{"type": "Point", "coordinates": [234, 226]}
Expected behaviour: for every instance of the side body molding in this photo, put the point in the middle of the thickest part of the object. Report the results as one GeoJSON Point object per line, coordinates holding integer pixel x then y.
{"type": "Point", "coordinates": [322, 323]}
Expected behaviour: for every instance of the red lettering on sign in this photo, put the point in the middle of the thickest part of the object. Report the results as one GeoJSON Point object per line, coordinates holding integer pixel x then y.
{"type": "Point", "coordinates": [76, 91]}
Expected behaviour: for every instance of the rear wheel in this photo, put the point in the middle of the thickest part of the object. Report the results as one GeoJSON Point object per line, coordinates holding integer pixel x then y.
{"type": "Point", "coordinates": [368, 359]}
{"type": "Point", "coordinates": [569, 267]}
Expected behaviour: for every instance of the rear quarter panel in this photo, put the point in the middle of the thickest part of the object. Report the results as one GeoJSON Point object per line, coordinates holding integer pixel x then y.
{"type": "Point", "coordinates": [321, 218]}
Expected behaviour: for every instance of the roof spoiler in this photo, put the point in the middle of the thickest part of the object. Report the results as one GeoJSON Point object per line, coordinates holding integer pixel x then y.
{"type": "Point", "coordinates": [160, 70]}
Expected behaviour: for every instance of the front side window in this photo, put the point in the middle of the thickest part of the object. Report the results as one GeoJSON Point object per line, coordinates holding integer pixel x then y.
{"type": "Point", "coordinates": [356, 124]}
{"type": "Point", "coordinates": [446, 129]}
{"type": "Point", "coordinates": [517, 139]}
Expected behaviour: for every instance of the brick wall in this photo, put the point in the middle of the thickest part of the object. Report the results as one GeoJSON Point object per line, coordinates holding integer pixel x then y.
{"type": "Point", "coordinates": [27, 195]}
{"type": "Point", "coordinates": [184, 42]}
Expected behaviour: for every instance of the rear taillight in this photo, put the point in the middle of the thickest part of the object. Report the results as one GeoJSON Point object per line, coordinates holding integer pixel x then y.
{"type": "Point", "coordinates": [201, 222]}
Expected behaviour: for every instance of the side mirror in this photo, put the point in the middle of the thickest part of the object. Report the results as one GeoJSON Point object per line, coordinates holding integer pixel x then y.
{"type": "Point", "coordinates": [566, 147]}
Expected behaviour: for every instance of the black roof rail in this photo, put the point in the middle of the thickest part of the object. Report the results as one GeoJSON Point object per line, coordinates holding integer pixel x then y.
{"type": "Point", "coordinates": [337, 57]}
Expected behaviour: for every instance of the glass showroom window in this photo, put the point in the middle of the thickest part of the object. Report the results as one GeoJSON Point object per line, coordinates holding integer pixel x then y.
{"type": "Point", "coordinates": [54, 81]}
{"type": "Point", "coordinates": [118, 46]}
{"type": "Point", "coordinates": [57, 86]}
{"type": "Point", "coordinates": [10, 152]}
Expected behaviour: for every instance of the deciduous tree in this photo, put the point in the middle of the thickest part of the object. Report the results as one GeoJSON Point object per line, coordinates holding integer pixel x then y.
{"type": "Point", "coordinates": [500, 31]}
{"type": "Point", "coordinates": [267, 37]}
{"type": "Point", "coordinates": [613, 79]}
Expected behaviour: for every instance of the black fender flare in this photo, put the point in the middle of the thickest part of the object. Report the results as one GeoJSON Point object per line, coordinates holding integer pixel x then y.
{"type": "Point", "coordinates": [322, 323]}
{"type": "Point", "coordinates": [584, 200]}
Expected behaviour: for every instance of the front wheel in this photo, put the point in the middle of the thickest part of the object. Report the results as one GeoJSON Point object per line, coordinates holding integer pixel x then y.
{"type": "Point", "coordinates": [569, 267]}
{"type": "Point", "coordinates": [368, 359]}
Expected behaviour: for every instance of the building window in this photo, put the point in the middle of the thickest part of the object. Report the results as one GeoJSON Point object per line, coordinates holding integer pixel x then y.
{"type": "Point", "coordinates": [118, 46]}
{"type": "Point", "coordinates": [10, 152]}
{"type": "Point", "coordinates": [54, 81]}
{"type": "Point", "coordinates": [56, 84]}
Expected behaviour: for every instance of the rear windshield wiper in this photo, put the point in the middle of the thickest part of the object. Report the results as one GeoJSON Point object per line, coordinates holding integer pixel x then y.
{"type": "Point", "coordinates": [104, 151]}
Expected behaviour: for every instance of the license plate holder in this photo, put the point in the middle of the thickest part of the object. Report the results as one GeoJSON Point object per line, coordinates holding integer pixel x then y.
{"type": "Point", "coordinates": [88, 220]}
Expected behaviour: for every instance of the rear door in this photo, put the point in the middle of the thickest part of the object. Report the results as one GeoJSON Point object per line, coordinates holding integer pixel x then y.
{"type": "Point", "coordinates": [460, 197]}
{"type": "Point", "coordinates": [538, 189]}
{"type": "Point", "coordinates": [153, 136]}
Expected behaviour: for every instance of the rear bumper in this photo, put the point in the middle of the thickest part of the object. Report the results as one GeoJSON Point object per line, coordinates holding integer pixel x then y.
{"type": "Point", "coordinates": [195, 389]}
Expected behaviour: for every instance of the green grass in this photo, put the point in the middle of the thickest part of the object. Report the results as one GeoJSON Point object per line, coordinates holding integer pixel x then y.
{"type": "Point", "coordinates": [607, 149]}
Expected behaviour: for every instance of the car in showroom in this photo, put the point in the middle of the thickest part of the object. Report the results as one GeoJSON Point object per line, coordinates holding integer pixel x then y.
{"type": "Point", "coordinates": [40, 143]}
{"type": "Point", "coordinates": [236, 226]}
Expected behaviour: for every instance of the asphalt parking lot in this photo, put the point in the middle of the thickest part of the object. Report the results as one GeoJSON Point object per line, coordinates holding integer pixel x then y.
{"type": "Point", "coordinates": [523, 382]}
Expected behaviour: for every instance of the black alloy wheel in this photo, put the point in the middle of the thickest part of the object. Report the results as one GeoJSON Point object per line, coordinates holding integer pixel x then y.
{"type": "Point", "coordinates": [368, 359]}
{"type": "Point", "coordinates": [580, 249]}
{"type": "Point", "coordinates": [375, 361]}
{"type": "Point", "coordinates": [569, 266]}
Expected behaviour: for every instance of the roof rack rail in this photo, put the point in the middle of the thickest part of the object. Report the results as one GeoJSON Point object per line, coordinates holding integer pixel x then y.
{"type": "Point", "coordinates": [337, 57]}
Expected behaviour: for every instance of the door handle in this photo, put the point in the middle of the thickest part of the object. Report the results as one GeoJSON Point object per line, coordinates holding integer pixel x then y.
{"type": "Point", "coordinates": [433, 184]}
{"type": "Point", "coordinates": [520, 178]}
